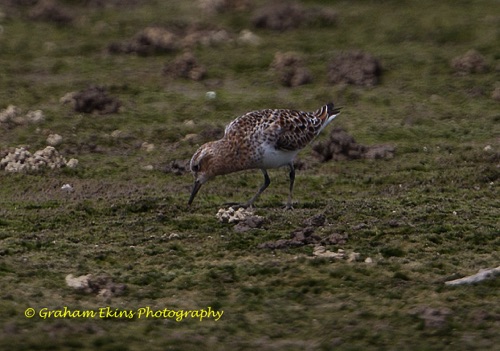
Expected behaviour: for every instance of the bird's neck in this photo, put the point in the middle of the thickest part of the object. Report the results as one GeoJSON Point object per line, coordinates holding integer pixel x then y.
{"type": "Point", "coordinates": [228, 157]}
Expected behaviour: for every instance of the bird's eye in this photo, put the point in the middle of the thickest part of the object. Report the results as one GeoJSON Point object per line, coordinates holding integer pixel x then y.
{"type": "Point", "coordinates": [195, 168]}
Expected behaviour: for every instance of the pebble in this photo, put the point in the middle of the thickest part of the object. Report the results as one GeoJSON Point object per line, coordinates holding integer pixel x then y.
{"type": "Point", "coordinates": [54, 139]}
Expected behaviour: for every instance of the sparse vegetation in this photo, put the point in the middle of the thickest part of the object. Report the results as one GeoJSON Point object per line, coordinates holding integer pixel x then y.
{"type": "Point", "coordinates": [405, 224]}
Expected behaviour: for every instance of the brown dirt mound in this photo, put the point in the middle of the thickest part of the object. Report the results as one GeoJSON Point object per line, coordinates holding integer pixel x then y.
{"type": "Point", "coordinates": [51, 11]}
{"type": "Point", "coordinates": [354, 67]}
{"type": "Point", "coordinates": [177, 167]}
{"type": "Point", "coordinates": [220, 6]}
{"type": "Point", "coordinates": [284, 16]}
{"type": "Point", "coordinates": [185, 66]}
{"type": "Point", "coordinates": [471, 62]}
{"type": "Point", "coordinates": [150, 40]}
{"type": "Point", "coordinates": [156, 40]}
{"type": "Point", "coordinates": [278, 16]}
{"type": "Point", "coordinates": [95, 99]}
{"type": "Point", "coordinates": [290, 69]}
{"type": "Point", "coordinates": [305, 236]}
{"type": "Point", "coordinates": [342, 146]}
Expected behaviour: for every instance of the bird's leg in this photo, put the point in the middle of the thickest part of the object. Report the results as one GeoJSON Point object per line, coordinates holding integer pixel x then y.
{"type": "Point", "coordinates": [264, 186]}
{"type": "Point", "coordinates": [289, 205]}
{"type": "Point", "coordinates": [250, 202]}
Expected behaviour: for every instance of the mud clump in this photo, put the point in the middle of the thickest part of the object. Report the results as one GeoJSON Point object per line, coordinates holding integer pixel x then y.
{"type": "Point", "coordinates": [318, 220]}
{"type": "Point", "coordinates": [177, 167]}
{"type": "Point", "coordinates": [290, 69]}
{"type": "Point", "coordinates": [94, 99]}
{"type": "Point", "coordinates": [157, 40]}
{"type": "Point", "coordinates": [306, 235]}
{"type": "Point", "coordinates": [221, 6]}
{"type": "Point", "coordinates": [185, 66]}
{"type": "Point", "coordinates": [471, 62]}
{"type": "Point", "coordinates": [51, 11]}
{"type": "Point", "coordinates": [207, 37]}
{"type": "Point", "coordinates": [278, 16]}
{"type": "Point", "coordinates": [281, 16]}
{"type": "Point", "coordinates": [149, 41]}
{"type": "Point", "coordinates": [356, 68]}
{"type": "Point", "coordinates": [341, 146]}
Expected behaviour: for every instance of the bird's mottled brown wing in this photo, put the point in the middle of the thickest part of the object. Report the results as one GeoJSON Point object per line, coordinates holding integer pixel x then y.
{"type": "Point", "coordinates": [250, 123]}
{"type": "Point", "coordinates": [297, 129]}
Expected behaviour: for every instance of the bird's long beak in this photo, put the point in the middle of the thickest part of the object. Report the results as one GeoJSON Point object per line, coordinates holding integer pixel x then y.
{"type": "Point", "coordinates": [196, 186]}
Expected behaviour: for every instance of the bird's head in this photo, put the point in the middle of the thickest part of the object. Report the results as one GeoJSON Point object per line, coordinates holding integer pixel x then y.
{"type": "Point", "coordinates": [203, 165]}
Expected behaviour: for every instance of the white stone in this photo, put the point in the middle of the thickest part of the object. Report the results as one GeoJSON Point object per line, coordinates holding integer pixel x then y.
{"type": "Point", "coordinates": [210, 95]}
{"type": "Point", "coordinates": [54, 139]}
{"type": "Point", "coordinates": [72, 163]}
{"type": "Point", "coordinates": [68, 188]}
{"type": "Point", "coordinates": [35, 116]}
{"type": "Point", "coordinates": [248, 37]}
{"type": "Point", "coordinates": [147, 147]}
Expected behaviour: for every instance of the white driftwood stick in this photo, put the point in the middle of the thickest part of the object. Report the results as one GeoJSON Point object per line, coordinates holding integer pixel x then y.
{"type": "Point", "coordinates": [475, 278]}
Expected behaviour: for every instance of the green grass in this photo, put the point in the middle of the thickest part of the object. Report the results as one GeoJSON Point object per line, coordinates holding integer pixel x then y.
{"type": "Point", "coordinates": [426, 216]}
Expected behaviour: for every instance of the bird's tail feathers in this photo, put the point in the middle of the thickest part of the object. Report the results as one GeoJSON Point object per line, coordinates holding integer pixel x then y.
{"type": "Point", "coordinates": [328, 112]}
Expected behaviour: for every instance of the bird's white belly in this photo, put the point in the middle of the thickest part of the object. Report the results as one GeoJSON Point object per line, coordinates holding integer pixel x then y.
{"type": "Point", "coordinates": [273, 158]}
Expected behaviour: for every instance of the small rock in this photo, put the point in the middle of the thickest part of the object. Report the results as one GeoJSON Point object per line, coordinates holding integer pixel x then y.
{"type": "Point", "coordinates": [174, 236]}
{"type": "Point", "coordinates": [67, 188]}
{"type": "Point", "coordinates": [148, 168]}
{"type": "Point", "coordinates": [78, 283]}
{"type": "Point", "coordinates": [54, 139]}
{"type": "Point", "coordinates": [145, 146]}
{"type": "Point", "coordinates": [368, 260]}
{"type": "Point", "coordinates": [321, 251]}
{"type": "Point", "coordinates": [210, 95]}
{"type": "Point", "coordinates": [249, 38]}
{"type": "Point", "coordinates": [68, 98]}
{"type": "Point", "coordinates": [35, 116]}
{"type": "Point", "coordinates": [190, 137]}
{"type": "Point", "coordinates": [354, 257]}
{"type": "Point", "coordinates": [117, 134]}
{"type": "Point", "coordinates": [190, 122]}
{"type": "Point", "coordinates": [72, 163]}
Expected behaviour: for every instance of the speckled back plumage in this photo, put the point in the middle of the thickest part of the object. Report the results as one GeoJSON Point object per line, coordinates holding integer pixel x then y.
{"type": "Point", "coordinates": [284, 129]}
